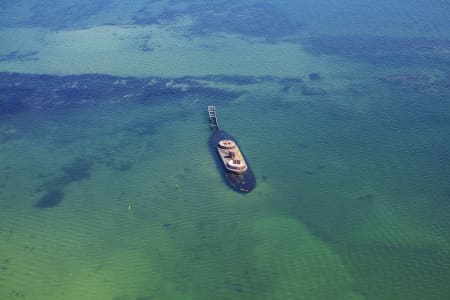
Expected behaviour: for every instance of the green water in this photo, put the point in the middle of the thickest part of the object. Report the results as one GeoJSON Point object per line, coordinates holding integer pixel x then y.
{"type": "Point", "coordinates": [330, 218]}
{"type": "Point", "coordinates": [352, 195]}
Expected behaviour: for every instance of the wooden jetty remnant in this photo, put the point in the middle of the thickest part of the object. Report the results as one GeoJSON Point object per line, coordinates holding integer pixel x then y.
{"type": "Point", "coordinates": [213, 122]}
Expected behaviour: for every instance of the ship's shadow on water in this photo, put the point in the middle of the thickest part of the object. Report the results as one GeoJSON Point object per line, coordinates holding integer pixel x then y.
{"type": "Point", "coordinates": [243, 183]}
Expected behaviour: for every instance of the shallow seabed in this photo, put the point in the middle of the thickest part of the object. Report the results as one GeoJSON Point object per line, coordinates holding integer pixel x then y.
{"type": "Point", "coordinates": [108, 189]}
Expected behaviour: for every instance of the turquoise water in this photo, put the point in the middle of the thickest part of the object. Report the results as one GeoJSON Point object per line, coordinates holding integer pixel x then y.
{"type": "Point", "coordinates": [108, 189]}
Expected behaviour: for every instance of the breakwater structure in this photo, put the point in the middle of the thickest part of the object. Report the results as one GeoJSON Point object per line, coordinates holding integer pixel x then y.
{"type": "Point", "coordinates": [229, 158]}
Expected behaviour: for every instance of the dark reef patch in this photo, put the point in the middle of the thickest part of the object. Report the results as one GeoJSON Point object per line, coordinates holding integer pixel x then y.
{"type": "Point", "coordinates": [35, 92]}
{"type": "Point", "coordinates": [417, 82]}
{"type": "Point", "coordinates": [167, 225]}
{"type": "Point", "coordinates": [161, 91]}
{"type": "Point", "coordinates": [251, 18]}
{"type": "Point", "coordinates": [368, 198]}
{"type": "Point", "coordinates": [314, 76]}
{"type": "Point", "coordinates": [77, 170]}
{"type": "Point", "coordinates": [55, 15]}
{"type": "Point", "coordinates": [50, 199]}
{"type": "Point", "coordinates": [12, 99]}
{"type": "Point", "coordinates": [407, 79]}
{"type": "Point", "coordinates": [310, 91]}
{"type": "Point", "coordinates": [146, 48]}
{"type": "Point", "coordinates": [259, 19]}
{"type": "Point", "coordinates": [215, 93]}
{"type": "Point", "coordinates": [144, 43]}
{"type": "Point", "coordinates": [288, 83]}
{"type": "Point", "coordinates": [19, 56]}
{"type": "Point", "coordinates": [382, 50]}
{"type": "Point", "coordinates": [145, 128]}
{"type": "Point", "coordinates": [290, 80]}
{"type": "Point", "coordinates": [145, 16]}
{"type": "Point", "coordinates": [61, 15]}
{"type": "Point", "coordinates": [235, 79]}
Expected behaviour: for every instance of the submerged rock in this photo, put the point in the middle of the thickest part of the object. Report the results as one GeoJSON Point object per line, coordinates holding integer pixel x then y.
{"type": "Point", "coordinates": [50, 199]}
{"type": "Point", "coordinates": [314, 76]}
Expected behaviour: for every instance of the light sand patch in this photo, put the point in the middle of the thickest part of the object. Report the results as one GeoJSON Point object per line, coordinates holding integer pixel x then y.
{"type": "Point", "coordinates": [304, 267]}
{"type": "Point", "coordinates": [170, 51]}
